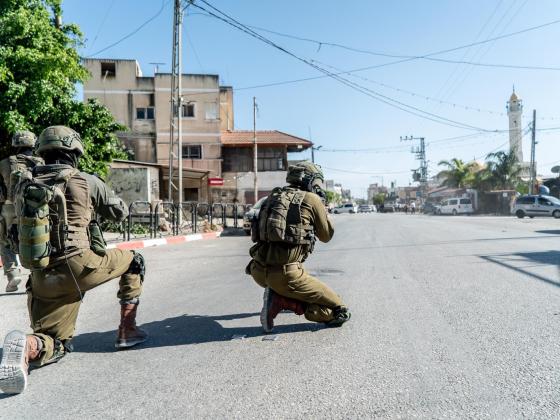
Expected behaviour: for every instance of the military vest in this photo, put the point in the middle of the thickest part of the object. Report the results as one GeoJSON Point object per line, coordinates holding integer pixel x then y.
{"type": "Point", "coordinates": [54, 210]}
{"type": "Point", "coordinates": [280, 219]}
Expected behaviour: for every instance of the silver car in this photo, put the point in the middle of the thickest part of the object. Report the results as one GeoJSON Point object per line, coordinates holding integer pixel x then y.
{"type": "Point", "coordinates": [536, 205]}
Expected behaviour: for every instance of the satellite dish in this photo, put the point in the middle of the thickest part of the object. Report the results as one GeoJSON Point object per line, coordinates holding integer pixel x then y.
{"type": "Point", "coordinates": [555, 169]}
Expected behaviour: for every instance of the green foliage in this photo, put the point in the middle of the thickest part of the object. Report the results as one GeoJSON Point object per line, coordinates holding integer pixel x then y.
{"type": "Point", "coordinates": [379, 199]}
{"type": "Point", "coordinates": [39, 69]}
{"type": "Point", "coordinates": [332, 197]}
{"type": "Point", "coordinates": [458, 173]}
{"type": "Point", "coordinates": [504, 169]}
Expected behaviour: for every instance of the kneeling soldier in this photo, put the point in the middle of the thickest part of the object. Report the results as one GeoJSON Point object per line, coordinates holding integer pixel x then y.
{"type": "Point", "coordinates": [61, 246]}
{"type": "Point", "coordinates": [288, 222]}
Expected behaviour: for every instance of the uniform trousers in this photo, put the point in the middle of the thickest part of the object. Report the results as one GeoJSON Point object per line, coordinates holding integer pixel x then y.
{"type": "Point", "coordinates": [292, 281]}
{"type": "Point", "coordinates": [54, 298]}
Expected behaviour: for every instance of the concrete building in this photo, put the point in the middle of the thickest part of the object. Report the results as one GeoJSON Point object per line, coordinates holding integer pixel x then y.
{"type": "Point", "coordinates": [238, 164]}
{"type": "Point", "coordinates": [375, 189]}
{"type": "Point", "coordinates": [142, 104]}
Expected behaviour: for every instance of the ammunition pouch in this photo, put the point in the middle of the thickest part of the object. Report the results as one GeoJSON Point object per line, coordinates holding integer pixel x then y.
{"type": "Point", "coordinates": [96, 241]}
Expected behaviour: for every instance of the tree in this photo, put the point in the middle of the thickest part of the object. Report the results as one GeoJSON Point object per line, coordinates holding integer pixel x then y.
{"type": "Point", "coordinates": [379, 199]}
{"type": "Point", "coordinates": [333, 197]}
{"type": "Point", "coordinates": [458, 173]}
{"type": "Point", "coordinates": [503, 169]}
{"type": "Point", "coordinates": [39, 70]}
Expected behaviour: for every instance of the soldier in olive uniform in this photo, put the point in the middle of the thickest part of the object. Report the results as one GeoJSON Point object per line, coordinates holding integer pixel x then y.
{"type": "Point", "coordinates": [55, 292]}
{"type": "Point", "coordinates": [289, 221]}
{"type": "Point", "coordinates": [11, 169]}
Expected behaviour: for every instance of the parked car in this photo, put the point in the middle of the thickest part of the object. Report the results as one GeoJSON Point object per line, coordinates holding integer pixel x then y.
{"type": "Point", "coordinates": [536, 205]}
{"type": "Point", "coordinates": [456, 206]}
{"type": "Point", "coordinates": [365, 208]}
{"type": "Point", "coordinates": [346, 208]}
{"type": "Point", "coordinates": [388, 208]}
{"type": "Point", "coordinates": [430, 208]}
{"type": "Point", "coordinates": [251, 214]}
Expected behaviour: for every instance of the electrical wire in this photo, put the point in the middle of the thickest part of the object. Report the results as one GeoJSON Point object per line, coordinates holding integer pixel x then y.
{"type": "Point", "coordinates": [428, 56]}
{"type": "Point", "coordinates": [134, 32]}
{"type": "Point", "coordinates": [368, 92]}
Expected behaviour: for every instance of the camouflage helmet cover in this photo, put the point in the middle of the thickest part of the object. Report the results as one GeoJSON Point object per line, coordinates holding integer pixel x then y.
{"type": "Point", "coordinates": [59, 137]}
{"type": "Point", "coordinates": [305, 175]}
{"type": "Point", "coordinates": [23, 138]}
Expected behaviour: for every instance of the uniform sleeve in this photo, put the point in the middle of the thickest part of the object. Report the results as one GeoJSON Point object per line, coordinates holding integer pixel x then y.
{"type": "Point", "coordinates": [105, 202]}
{"type": "Point", "coordinates": [324, 229]}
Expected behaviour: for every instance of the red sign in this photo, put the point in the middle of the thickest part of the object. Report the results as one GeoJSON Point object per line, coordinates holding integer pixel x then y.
{"type": "Point", "coordinates": [216, 181]}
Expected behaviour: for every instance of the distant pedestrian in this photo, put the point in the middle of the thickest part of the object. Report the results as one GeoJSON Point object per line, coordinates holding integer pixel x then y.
{"type": "Point", "coordinates": [413, 207]}
{"type": "Point", "coordinates": [406, 209]}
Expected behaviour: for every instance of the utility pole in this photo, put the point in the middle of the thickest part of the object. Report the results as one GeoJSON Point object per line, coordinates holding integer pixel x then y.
{"type": "Point", "coordinates": [255, 151]}
{"type": "Point", "coordinates": [175, 124]}
{"type": "Point", "coordinates": [533, 169]}
{"type": "Point", "coordinates": [420, 174]}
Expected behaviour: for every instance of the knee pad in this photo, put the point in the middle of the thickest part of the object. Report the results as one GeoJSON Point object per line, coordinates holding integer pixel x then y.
{"type": "Point", "coordinates": [137, 266]}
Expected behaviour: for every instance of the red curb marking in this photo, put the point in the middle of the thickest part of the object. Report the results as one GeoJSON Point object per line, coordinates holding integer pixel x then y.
{"type": "Point", "coordinates": [131, 245]}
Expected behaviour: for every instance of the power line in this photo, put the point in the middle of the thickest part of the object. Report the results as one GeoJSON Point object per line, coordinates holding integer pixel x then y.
{"type": "Point", "coordinates": [135, 31]}
{"type": "Point", "coordinates": [428, 56]}
{"type": "Point", "coordinates": [368, 92]}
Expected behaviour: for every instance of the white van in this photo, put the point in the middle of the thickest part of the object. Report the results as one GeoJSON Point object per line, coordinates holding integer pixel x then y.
{"type": "Point", "coordinates": [346, 208]}
{"type": "Point", "coordinates": [456, 206]}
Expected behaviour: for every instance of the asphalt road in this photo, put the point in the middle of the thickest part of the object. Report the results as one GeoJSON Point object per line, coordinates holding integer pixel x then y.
{"type": "Point", "coordinates": [453, 317]}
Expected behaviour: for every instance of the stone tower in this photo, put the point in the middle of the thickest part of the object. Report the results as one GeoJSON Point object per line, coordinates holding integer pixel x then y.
{"type": "Point", "coordinates": [515, 111]}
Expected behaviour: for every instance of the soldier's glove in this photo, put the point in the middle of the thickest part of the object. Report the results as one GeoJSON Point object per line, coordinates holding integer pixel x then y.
{"type": "Point", "coordinates": [320, 192]}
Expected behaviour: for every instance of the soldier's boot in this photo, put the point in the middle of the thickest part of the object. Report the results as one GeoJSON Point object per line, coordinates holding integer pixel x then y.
{"type": "Point", "coordinates": [129, 334]}
{"type": "Point", "coordinates": [14, 279]}
{"type": "Point", "coordinates": [273, 304]}
{"type": "Point", "coordinates": [341, 314]}
{"type": "Point", "coordinates": [19, 349]}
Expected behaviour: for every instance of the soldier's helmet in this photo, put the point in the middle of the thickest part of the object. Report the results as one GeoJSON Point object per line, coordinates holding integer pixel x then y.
{"type": "Point", "coordinates": [23, 138]}
{"type": "Point", "coordinates": [305, 175]}
{"type": "Point", "coordinates": [59, 137]}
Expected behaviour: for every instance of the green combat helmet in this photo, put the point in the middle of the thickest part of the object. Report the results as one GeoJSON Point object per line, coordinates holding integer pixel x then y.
{"type": "Point", "coordinates": [305, 175]}
{"type": "Point", "coordinates": [24, 139]}
{"type": "Point", "coordinates": [59, 137]}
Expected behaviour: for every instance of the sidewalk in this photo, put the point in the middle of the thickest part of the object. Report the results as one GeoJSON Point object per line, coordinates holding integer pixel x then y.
{"type": "Point", "coordinates": [147, 243]}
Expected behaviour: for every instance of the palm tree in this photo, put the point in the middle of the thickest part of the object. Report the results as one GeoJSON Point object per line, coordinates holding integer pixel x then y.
{"type": "Point", "coordinates": [458, 173]}
{"type": "Point", "coordinates": [503, 169]}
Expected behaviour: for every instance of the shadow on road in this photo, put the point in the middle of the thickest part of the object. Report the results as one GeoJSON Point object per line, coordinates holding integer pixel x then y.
{"type": "Point", "coordinates": [459, 241]}
{"type": "Point", "coordinates": [550, 232]}
{"type": "Point", "coordinates": [12, 294]}
{"type": "Point", "coordinates": [183, 330]}
{"type": "Point", "coordinates": [518, 262]}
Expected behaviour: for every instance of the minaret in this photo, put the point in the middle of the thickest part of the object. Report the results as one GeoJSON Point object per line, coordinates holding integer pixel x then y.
{"type": "Point", "coordinates": [515, 111]}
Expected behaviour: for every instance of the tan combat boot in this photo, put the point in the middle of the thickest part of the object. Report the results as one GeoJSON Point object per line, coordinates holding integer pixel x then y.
{"type": "Point", "coordinates": [129, 334]}
{"type": "Point", "coordinates": [19, 349]}
{"type": "Point", "coordinates": [273, 304]}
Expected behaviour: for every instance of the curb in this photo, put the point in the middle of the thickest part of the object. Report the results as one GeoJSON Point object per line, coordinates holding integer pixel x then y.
{"type": "Point", "coordinates": [148, 243]}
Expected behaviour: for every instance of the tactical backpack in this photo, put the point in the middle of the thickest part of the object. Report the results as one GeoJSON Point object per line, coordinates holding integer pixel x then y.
{"type": "Point", "coordinates": [280, 219]}
{"type": "Point", "coordinates": [42, 217]}
{"type": "Point", "coordinates": [20, 168]}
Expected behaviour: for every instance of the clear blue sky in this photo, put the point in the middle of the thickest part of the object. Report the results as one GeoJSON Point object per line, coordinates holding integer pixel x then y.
{"type": "Point", "coordinates": [337, 116]}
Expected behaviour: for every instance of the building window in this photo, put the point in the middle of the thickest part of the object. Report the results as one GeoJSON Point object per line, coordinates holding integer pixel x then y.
{"type": "Point", "coordinates": [145, 113]}
{"type": "Point", "coordinates": [192, 152]}
{"type": "Point", "coordinates": [188, 111]}
{"type": "Point", "coordinates": [271, 159]}
{"type": "Point", "coordinates": [237, 159]}
{"type": "Point", "coordinates": [211, 111]}
{"type": "Point", "coordinates": [108, 70]}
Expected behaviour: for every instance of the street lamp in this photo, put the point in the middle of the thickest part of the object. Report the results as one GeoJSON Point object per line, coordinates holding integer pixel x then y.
{"type": "Point", "coordinates": [313, 148]}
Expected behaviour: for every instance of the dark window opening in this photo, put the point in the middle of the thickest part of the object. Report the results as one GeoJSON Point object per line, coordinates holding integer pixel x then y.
{"type": "Point", "coordinates": [152, 99]}
{"type": "Point", "coordinates": [237, 159]}
{"type": "Point", "coordinates": [192, 152]}
{"type": "Point", "coordinates": [145, 113]}
{"type": "Point", "coordinates": [108, 69]}
{"type": "Point", "coordinates": [271, 159]}
{"type": "Point", "coordinates": [188, 111]}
